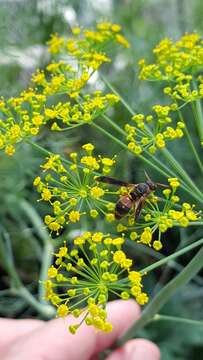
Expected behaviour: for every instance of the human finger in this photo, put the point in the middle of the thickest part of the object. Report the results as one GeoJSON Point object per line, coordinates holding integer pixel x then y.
{"type": "Point", "coordinates": [139, 349]}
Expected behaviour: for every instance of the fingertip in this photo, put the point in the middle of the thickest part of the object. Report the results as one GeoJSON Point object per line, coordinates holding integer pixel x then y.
{"type": "Point", "coordinates": [121, 314]}
{"type": "Point", "coordinates": [119, 309]}
{"type": "Point", "coordinates": [144, 349]}
{"type": "Point", "coordinates": [139, 349]}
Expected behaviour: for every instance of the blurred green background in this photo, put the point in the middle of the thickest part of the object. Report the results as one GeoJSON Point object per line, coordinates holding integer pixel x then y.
{"type": "Point", "coordinates": [25, 27]}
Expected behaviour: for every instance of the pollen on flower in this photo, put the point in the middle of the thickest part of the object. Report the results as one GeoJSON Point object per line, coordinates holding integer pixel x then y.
{"type": "Point", "coordinates": [174, 182]}
{"type": "Point", "coordinates": [74, 216]}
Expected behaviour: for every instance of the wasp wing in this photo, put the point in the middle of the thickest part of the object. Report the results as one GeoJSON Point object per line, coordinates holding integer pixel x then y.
{"type": "Point", "coordinates": [110, 180]}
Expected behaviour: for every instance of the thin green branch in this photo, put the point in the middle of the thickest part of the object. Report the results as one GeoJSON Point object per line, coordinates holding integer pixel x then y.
{"type": "Point", "coordinates": [192, 146]}
{"type": "Point", "coordinates": [145, 160]}
{"type": "Point", "coordinates": [31, 213]}
{"type": "Point", "coordinates": [114, 125]}
{"type": "Point", "coordinates": [43, 151]}
{"type": "Point", "coordinates": [111, 87]}
{"type": "Point", "coordinates": [172, 256]}
{"type": "Point", "coordinates": [157, 255]}
{"type": "Point", "coordinates": [46, 311]}
{"type": "Point", "coordinates": [176, 320]}
{"type": "Point", "coordinates": [163, 296]}
{"type": "Point", "coordinates": [16, 285]}
{"type": "Point", "coordinates": [198, 115]}
{"type": "Point", "coordinates": [175, 164]}
{"type": "Point", "coordinates": [47, 253]}
{"type": "Point", "coordinates": [160, 164]}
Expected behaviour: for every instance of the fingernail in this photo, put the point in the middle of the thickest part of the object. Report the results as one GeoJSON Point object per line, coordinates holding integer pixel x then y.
{"type": "Point", "coordinates": [141, 349]}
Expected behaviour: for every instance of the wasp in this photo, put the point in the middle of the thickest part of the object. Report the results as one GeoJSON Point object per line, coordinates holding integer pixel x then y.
{"type": "Point", "coordinates": [135, 197]}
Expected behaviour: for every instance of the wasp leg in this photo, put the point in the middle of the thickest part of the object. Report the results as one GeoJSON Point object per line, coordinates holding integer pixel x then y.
{"type": "Point", "coordinates": [139, 207]}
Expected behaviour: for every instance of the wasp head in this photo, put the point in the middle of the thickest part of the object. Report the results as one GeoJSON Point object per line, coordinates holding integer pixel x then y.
{"type": "Point", "coordinates": [151, 185]}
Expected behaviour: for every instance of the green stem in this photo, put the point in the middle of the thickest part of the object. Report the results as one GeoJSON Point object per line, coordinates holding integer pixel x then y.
{"type": "Point", "coordinates": [197, 111]}
{"type": "Point", "coordinates": [115, 126]}
{"type": "Point", "coordinates": [193, 149]}
{"type": "Point", "coordinates": [145, 160]}
{"type": "Point", "coordinates": [191, 143]}
{"type": "Point", "coordinates": [163, 296]}
{"type": "Point", "coordinates": [16, 285]}
{"type": "Point", "coordinates": [159, 317]}
{"type": "Point", "coordinates": [167, 171]}
{"type": "Point", "coordinates": [31, 213]}
{"type": "Point", "coordinates": [175, 164]}
{"type": "Point", "coordinates": [48, 248]}
{"type": "Point", "coordinates": [43, 151]}
{"type": "Point", "coordinates": [157, 255]}
{"type": "Point", "coordinates": [111, 87]}
{"type": "Point", "coordinates": [172, 256]}
{"type": "Point", "coordinates": [148, 162]}
{"type": "Point", "coordinates": [166, 153]}
{"type": "Point", "coordinates": [47, 257]}
{"type": "Point", "coordinates": [112, 137]}
{"type": "Point", "coordinates": [46, 311]}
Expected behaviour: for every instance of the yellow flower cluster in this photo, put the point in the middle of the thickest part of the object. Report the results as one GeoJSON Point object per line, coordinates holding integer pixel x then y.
{"type": "Point", "coordinates": [72, 191]}
{"type": "Point", "coordinates": [175, 60]}
{"type": "Point", "coordinates": [151, 132]}
{"type": "Point", "coordinates": [22, 117]}
{"type": "Point", "coordinates": [88, 45]}
{"type": "Point", "coordinates": [178, 63]}
{"type": "Point", "coordinates": [158, 218]}
{"type": "Point", "coordinates": [83, 277]}
{"type": "Point", "coordinates": [87, 49]}
{"type": "Point", "coordinates": [80, 113]}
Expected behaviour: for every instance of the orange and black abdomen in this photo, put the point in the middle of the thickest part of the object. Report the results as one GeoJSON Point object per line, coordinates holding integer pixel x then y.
{"type": "Point", "coordinates": [123, 206]}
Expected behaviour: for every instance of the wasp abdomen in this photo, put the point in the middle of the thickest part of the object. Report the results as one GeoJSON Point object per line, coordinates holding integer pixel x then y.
{"type": "Point", "coordinates": [123, 206]}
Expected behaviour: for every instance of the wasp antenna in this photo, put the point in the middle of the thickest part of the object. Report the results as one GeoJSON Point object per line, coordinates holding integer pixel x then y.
{"type": "Point", "coordinates": [147, 176]}
{"type": "Point", "coordinates": [163, 186]}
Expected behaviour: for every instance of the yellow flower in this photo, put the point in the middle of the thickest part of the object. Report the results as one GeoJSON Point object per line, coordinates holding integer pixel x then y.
{"type": "Point", "coordinates": [142, 298]}
{"type": "Point", "coordinates": [174, 182]}
{"type": "Point", "coordinates": [97, 237]}
{"type": "Point", "coordinates": [157, 245]}
{"type": "Point", "coordinates": [119, 257]}
{"type": "Point", "coordinates": [74, 216]}
{"type": "Point", "coordinates": [55, 43]}
{"type": "Point", "coordinates": [133, 235]}
{"type": "Point", "coordinates": [62, 310]}
{"type": "Point", "coordinates": [96, 192]}
{"type": "Point", "coordinates": [146, 236]}
{"type": "Point", "coordinates": [135, 277]}
{"type": "Point", "coordinates": [88, 147]}
{"type": "Point", "coordinates": [121, 40]}
{"type": "Point", "coordinates": [90, 162]}
{"type": "Point", "coordinates": [94, 213]}
{"type": "Point", "coordinates": [9, 150]}
{"type": "Point", "coordinates": [36, 181]}
{"type": "Point", "coordinates": [52, 272]}
{"type": "Point", "coordinates": [191, 215]}
{"type": "Point", "coordinates": [46, 194]}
